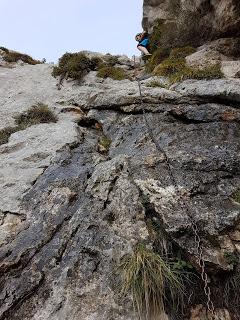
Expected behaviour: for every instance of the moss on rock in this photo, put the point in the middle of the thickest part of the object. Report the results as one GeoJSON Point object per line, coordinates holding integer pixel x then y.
{"type": "Point", "coordinates": [114, 73]}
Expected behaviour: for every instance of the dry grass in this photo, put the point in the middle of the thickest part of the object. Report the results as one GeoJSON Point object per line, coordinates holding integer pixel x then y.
{"type": "Point", "coordinates": [75, 65]}
{"type": "Point", "coordinates": [114, 73]}
{"type": "Point", "coordinates": [14, 56]}
{"type": "Point", "coordinates": [156, 84]}
{"type": "Point", "coordinates": [37, 114]}
{"type": "Point", "coordinates": [236, 196]}
{"type": "Point", "coordinates": [6, 133]}
{"type": "Point", "coordinates": [151, 281]}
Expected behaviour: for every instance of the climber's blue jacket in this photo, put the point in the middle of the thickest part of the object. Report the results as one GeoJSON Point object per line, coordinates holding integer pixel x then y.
{"type": "Point", "coordinates": [144, 43]}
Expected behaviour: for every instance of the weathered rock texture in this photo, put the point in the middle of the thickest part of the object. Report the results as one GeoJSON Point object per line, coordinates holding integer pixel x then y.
{"type": "Point", "coordinates": [222, 16]}
{"type": "Point", "coordinates": [69, 212]}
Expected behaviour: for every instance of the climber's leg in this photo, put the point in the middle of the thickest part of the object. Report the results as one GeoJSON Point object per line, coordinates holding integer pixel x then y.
{"type": "Point", "coordinates": [144, 50]}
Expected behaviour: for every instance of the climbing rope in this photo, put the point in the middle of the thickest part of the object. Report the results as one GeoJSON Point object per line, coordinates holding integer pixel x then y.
{"type": "Point", "coordinates": [184, 208]}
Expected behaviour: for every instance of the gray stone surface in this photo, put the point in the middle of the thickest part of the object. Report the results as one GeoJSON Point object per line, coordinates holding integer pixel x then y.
{"type": "Point", "coordinates": [222, 16]}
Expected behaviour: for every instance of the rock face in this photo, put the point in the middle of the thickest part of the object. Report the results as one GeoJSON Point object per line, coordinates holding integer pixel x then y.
{"type": "Point", "coordinates": [223, 16]}
{"type": "Point", "coordinates": [70, 210]}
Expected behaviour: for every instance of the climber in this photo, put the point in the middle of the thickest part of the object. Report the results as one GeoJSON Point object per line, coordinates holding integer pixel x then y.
{"type": "Point", "coordinates": [143, 43]}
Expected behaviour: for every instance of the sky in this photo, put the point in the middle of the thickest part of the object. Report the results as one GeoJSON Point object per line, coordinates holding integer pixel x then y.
{"type": "Point", "coordinates": [49, 28]}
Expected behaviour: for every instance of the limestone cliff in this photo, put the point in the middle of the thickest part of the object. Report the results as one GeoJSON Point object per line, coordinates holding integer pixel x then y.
{"type": "Point", "coordinates": [73, 206]}
{"type": "Point", "coordinates": [221, 17]}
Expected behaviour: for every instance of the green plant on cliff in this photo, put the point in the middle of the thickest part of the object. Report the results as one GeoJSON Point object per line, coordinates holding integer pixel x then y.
{"type": "Point", "coordinates": [207, 73]}
{"type": "Point", "coordinates": [182, 52]}
{"type": "Point", "coordinates": [151, 281]}
{"type": "Point", "coordinates": [104, 143]}
{"type": "Point", "coordinates": [157, 57]}
{"type": "Point", "coordinates": [172, 56]}
{"type": "Point", "coordinates": [110, 60]}
{"type": "Point", "coordinates": [75, 65]}
{"type": "Point", "coordinates": [114, 73]}
{"type": "Point", "coordinates": [176, 69]}
{"type": "Point", "coordinates": [14, 56]}
{"type": "Point", "coordinates": [37, 114]}
{"type": "Point", "coordinates": [236, 196]}
{"type": "Point", "coordinates": [156, 84]}
{"type": "Point", "coordinates": [231, 258]}
{"type": "Point", "coordinates": [6, 133]}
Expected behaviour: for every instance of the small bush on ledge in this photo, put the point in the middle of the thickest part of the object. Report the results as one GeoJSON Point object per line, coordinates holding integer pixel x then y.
{"type": "Point", "coordinates": [208, 73]}
{"type": "Point", "coordinates": [6, 133]}
{"type": "Point", "coordinates": [75, 65]}
{"type": "Point", "coordinates": [14, 56]}
{"type": "Point", "coordinates": [37, 114]}
{"type": "Point", "coordinates": [176, 69]}
{"type": "Point", "coordinates": [182, 52]}
{"type": "Point", "coordinates": [236, 196]}
{"type": "Point", "coordinates": [114, 73]}
{"type": "Point", "coordinates": [156, 84]}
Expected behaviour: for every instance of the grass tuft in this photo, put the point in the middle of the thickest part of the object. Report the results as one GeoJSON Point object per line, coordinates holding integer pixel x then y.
{"type": "Point", "coordinates": [151, 281]}
{"type": "Point", "coordinates": [6, 133]}
{"type": "Point", "coordinates": [169, 67]}
{"type": "Point", "coordinates": [37, 114]}
{"type": "Point", "coordinates": [104, 144]}
{"type": "Point", "coordinates": [177, 70]}
{"type": "Point", "coordinates": [157, 57]}
{"type": "Point", "coordinates": [236, 196]}
{"type": "Point", "coordinates": [14, 56]}
{"type": "Point", "coordinates": [75, 65]}
{"type": "Point", "coordinates": [180, 53]}
{"type": "Point", "coordinates": [156, 84]}
{"type": "Point", "coordinates": [208, 73]}
{"type": "Point", "coordinates": [114, 73]}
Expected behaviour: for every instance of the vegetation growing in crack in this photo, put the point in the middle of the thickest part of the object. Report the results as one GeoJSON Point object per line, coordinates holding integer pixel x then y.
{"type": "Point", "coordinates": [177, 70]}
{"type": "Point", "coordinates": [231, 258]}
{"type": "Point", "coordinates": [115, 73]}
{"type": "Point", "coordinates": [104, 144]}
{"type": "Point", "coordinates": [14, 56]}
{"type": "Point", "coordinates": [156, 84]}
{"type": "Point", "coordinates": [37, 114]}
{"type": "Point", "coordinates": [236, 196]}
{"type": "Point", "coordinates": [6, 133]}
{"type": "Point", "coordinates": [77, 65]}
{"type": "Point", "coordinates": [231, 294]}
{"type": "Point", "coordinates": [151, 281]}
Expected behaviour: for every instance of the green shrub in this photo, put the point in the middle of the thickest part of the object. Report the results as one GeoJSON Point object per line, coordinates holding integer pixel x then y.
{"type": "Point", "coordinates": [4, 49]}
{"type": "Point", "coordinates": [151, 281]}
{"type": "Point", "coordinates": [231, 258]}
{"type": "Point", "coordinates": [169, 67]}
{"type": "Point", "coordinates": [236, 196]}
{"type": "Point", "coordinates": [14, 56]}
{"type": "Point", "coordinates": [157, 57]}
{"type": "Point", "coordinates": [179, 53]}
{"type": "Point", "coordinates": [176, 69]}
{"type": "Point", "coordinates": [110, 60]}
{"type": "Point", "coordinates": [104, 143]}
{"type": "Point", "coordinates": [35, 115]}
{"type": "Point", "coordinates": [112, 72]}
{"type": "Point", "coordinates": [156, 84]}
{"type": "Point", "coordinates": [75, 65]}
{"type": "Point", "coordinates": [208, 73]}
{"type": "Point", "coordinates": [156, 35]}
{"type": "Point", "coordinates": [39, 113]}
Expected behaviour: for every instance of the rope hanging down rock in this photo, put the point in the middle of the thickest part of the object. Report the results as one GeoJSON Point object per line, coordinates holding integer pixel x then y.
{"type": "Point", "coordinates": [184, 207]}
